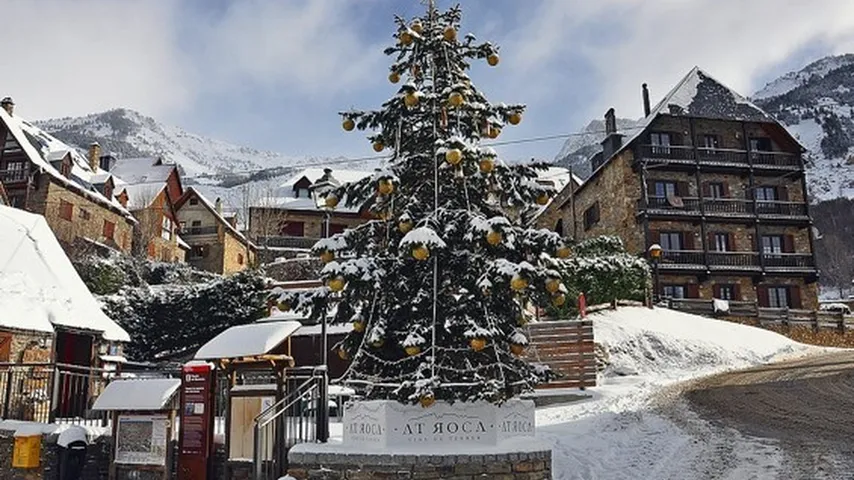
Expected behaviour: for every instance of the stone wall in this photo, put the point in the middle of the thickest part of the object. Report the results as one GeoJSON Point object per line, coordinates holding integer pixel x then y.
{"type": "Point", "coordinates": [87, 219]}
{"type": "Point", "coordinates": [535, 465]}
{"type": "Point", "coordinates": [267, 222]}
{"type": "Point", "coordinates": [96, 466]}
{"type": "Point", "coordinates": [26, 347]}
{"type": "Point", "coordinates": [236, 255]}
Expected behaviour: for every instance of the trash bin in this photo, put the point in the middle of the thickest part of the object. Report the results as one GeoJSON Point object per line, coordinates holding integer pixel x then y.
{"type": "Point", "coordinates": [71, 460]}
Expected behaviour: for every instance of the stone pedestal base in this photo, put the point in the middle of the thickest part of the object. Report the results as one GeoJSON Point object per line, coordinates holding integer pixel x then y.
{"type": "Point", "coordinates": [510, 460]}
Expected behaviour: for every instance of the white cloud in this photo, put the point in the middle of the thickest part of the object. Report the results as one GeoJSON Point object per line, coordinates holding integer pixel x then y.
{"type": "Point", "coordinates": [72, 58]}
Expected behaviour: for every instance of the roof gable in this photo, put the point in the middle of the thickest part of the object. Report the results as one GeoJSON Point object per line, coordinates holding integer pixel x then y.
{"type": "Point", "coordinates": [191, 192]}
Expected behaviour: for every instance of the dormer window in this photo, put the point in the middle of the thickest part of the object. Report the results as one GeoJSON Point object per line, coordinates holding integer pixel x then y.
{"type": "Point", "coordinates": [65, 168]}
{"type": "Point", "coordinates": [108, 190]}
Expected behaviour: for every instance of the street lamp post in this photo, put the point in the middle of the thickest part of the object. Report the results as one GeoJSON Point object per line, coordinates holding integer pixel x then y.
{"type": "Point", "coordinates": [655, 256]}
{"type": "Point", "coordinates": [323, 190]}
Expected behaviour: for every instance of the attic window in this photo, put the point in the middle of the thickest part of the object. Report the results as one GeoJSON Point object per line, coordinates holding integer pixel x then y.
{"type": "Point", "coordinates": [194, 201]}
{"type": "Point", "coordinates": [108, 191]}
{"type": "Point", "coordinates": [65, 169]}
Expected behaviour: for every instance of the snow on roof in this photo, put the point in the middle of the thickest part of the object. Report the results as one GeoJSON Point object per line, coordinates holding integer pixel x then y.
{"type": "Point", "coordinates": [247, 340]}
{"type": "Point", "coordinates": [286, 196]}
{"type": "Point", "coordinates": [314, 174]}
{"type": "Point", "coordinates": [140, 195]}
{"type": "Point", "coordinates": [314, 330]}
{"type": "Point", "coordinates": [183, 244]}
{"type": "Point", "coordinates": [39, 146]}
{"type": "Point", "coordinates": [137, 394]}
{"type": "Point", "coordinates": [39, 287]}
{"type": "Point", "coordinates": [210, 206]}
{"type": "Point", "coordinates": [142, 170]}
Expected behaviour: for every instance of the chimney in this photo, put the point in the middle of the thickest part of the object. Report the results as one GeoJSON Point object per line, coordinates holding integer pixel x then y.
{"type": "Point", "coordinates": [645, 101]}
{"type": "Point", "coordinates": [107, 161]}
{"type": "Point", "coordinates": [8, 105]}
{"type": "Point", "coordinates": [232, 220]}
{"type": "Point", "coordinates": [613, 140]}
{"type": "Point", "coordinates": [218, 205]}
{"type": "Point", "coordinates": [94, 155]}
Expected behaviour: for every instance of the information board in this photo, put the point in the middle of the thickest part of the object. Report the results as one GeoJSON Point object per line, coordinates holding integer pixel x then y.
{"type": "Point", "coordinates": [141, 439]}
{"type": "Point", "coordinates": [195, 445]}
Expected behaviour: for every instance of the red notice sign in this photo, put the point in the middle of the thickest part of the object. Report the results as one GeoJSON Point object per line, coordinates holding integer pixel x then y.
{"type": "Point", "coordinates": [195, 444]}
{"type": "Point", "coordinates": [582, 305]}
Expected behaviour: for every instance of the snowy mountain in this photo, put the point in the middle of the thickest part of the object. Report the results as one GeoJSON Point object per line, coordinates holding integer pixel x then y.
{"type": "Point", "coordinates": [815, 103]}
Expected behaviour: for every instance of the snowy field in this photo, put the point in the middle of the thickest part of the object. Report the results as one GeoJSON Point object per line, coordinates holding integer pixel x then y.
{"type": "Point", "coordinates": [623, 433]}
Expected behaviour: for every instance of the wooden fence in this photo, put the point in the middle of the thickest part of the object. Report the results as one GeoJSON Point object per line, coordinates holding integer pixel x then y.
{"type": "Point", "coordinates": [566, 346]}
{"type": "Point", "coordinates": [781, 317]}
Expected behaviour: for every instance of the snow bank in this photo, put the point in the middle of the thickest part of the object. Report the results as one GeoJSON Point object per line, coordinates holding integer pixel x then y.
{"type": "Point", "coordinates": [670, 344]}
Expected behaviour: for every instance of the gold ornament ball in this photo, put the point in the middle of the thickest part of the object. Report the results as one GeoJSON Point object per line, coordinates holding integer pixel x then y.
{"type": "Point", "coordinates": [358, 327]}
{"type": "Point", "coordinates": [558, 300]}
{"type": "Point", "coordinates": [393, 77]}
{"type": "Point", "coordinates": [377, 343]}
{"type": "Point", "coordinates": [378, 146]}
{"type": "Point", "coordinates": [486, 165]}
{"type": "Point", "coordinates": [348, 124]}
{"type": "Point", "coordinates": [450, 34]}
{"type": "Point", "coordinates": [493, 238]}
{"type": "Point", "coordinates": [410, 99]}
{"type": "Point", "coordinates": [456, 99]}
{"type": "Point", "coordinates": [517, 349]}
{"type": "Point", "coordinates": [477, 344]}
{"type": "Point", "coordinates": [542, 199]}
{"type": "Point", "coordinates": [385, 187]}
{"type": "Point", "coordinates": [522, 321]}
{"type": "Point", "coordinates": [514, 118]}
{"type": "Point", "coordinates": [413, 350]}
{"type": "Point", "coordinates": [405, 38]}
{"type": "Point", "coordinates": [416, 27]}
{"type": "Point", "coordinates": [283, 306]}
{"type": "Point", "coordinates": [331, 200]}
{"type": "Point", "coordinates": [327, 256]}
{"type": "Point", "coordinates": [454, 156]}
{"type": "Point", "coordinates": [404, 226]}
{"type": "Point", "coordinates": [336, 284]}
{"type": "Point", "coordinates": [427, 401]}
{"type": "Point", "coordinates": [552, 285]}
{"type": "Point", "coordinates": [420, 253]}
{"type": "Point", "coordinates": [493, 132]}
{"type": "Point", "coordinates": [492, 59]}
{"type": "Point", "coordinates": [342, 354]}
{"type": "Point", "coordinates": [518, 283]}
{"type": "Point", "coordinates": [563, 252]}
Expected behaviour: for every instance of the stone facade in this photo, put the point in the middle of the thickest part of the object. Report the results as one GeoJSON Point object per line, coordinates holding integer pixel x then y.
{"type": "Point", "coordinates": [88, 219]}
{"type": "Point", "coordinates": [28, 347]}
{"type": "Point", "coordinates": [534, 465]}
{"type": "Point", "coordinates": [156, 232]}
{"type": "Point", "coordinates": [271, 222]}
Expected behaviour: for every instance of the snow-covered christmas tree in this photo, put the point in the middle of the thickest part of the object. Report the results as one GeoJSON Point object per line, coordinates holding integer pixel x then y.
{"type": "Point", "coordinates": [436, 284]}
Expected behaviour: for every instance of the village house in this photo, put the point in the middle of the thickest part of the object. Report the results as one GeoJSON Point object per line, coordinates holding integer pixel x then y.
{"type": "Point", "coordinates": [215, 243]}
{"type": "Point", "coordinates": [717, 183]}
{"type": "Point", "coordinates": [45, 176]}
{"type": "Point", "coordinates": [150, 188]}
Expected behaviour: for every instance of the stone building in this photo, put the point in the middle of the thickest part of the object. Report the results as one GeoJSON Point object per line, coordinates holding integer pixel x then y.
{"type": "Point", "coordinates": [215, 243]}
{"type": "Point", "coordinates": [150, 188]}
{"type": "Point", "coordinates": [717, 183]}
{"type": "Point", "coordinates": [45, 176]}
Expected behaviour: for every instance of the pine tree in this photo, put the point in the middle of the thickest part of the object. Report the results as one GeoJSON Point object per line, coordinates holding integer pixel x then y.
{"type": "Point", "coordinates": [436, 284]}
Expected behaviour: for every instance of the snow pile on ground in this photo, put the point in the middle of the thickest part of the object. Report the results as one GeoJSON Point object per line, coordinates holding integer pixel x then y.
{"type": "Point", "coordinates": [671, 345]}
{"type": "Point", "coordinates": [618, 433]}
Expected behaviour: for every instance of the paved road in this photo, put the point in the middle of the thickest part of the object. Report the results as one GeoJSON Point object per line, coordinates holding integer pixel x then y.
{"type": "Point", "coordinates": [805, 405]}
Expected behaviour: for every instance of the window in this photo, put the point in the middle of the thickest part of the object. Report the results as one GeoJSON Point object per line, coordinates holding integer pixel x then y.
{"type": "Point", "coordinates": [761, 144]}
{"type": "Point", "coordinates": [240, 259]}
{"type": "Point", "coordinates": [15, 172]}
{"type": "Point", "coordinates": [673, 291]}
{"type": "Point", "coordinates": [336, 228]}
{"type": "Point", "coordinates": [660, 142]}
{"type": "Point", "coordinates": [293, 229]}
{"type": "Point", "coordinates": [721, 242]}
{"type": "Point", "coordinates": [709, 141]}
{"type": "Point", "coordinates": [17, 201]}
{"type": "Point", "coordinates": [65, 169]}
{"type": "Point", "coordinates": [664, 189]}
{"type": "Point", "coordinates": [765, 193]}
{"type": "Point", "coordinates": [199, 251]}
{"type": "Point", "coordinates": [84, 214]}
{"type": "Point", "coordinates": [715, 190]}
{"type": "Point", "coordinates": [108, 191]}
{"type": "Point", "coordinates": [109, 230]}
{"type": "Point", "coordinates": [66, 210]}
{"type": "Point", "coordinates": [778, 297]}
{"type": "Point", "coordinates": [670, 240]}
{"type": "Point", "coordinates": [772, 244]}
{"type": "Point", "coordinates": [725, 292]}
{"type": "Point", "coordinates": [591, 216]}
{"type": "Point", "coordinates": [194, 201]}
{"type": "Point", "coordinates": [166, 228]}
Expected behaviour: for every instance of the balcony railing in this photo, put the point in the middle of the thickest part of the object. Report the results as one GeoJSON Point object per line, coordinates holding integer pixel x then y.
{"type": "Point", "coordinates": [727, 206]}
{"type": "Point", "coordinates": [733, 259]}
{"type": "Point", "coordinates": [718, 156]}
{"type": "Point", "coordinates": [190, 231]}
{"type": "Point", "coordinates": [682, 257]}
{"type": "Point", "coordinates": [287, 242]}
{"type": "Point", "coordinates": [789, 209]}
{"type": "Point", "coordinates": [13, 176]}
{"type": "Point", "coordinates": [687, 204]}
{"type": "Point", "coordinates": [789, 260]}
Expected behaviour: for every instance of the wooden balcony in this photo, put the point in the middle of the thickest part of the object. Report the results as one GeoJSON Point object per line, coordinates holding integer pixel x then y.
{"type": "Point", "coordinates": [286, 242]}
{"type": "Point", "coordinates": [736, 261]}
{"type": "Point", "coordinates": [717, 157]}
{"type": "Point", "coordinates": [13, 177]}
{"type": "Point", "coordinates": [724, 208]}
{"type": "Point", "coordinates": [197, 231]}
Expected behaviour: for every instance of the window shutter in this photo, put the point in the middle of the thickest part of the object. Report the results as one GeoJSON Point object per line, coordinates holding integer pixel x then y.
{"type": "Point", "coordinates": [788, 244]}
{"type": "Point", "coordinates": [730, 242]}
{"type": "Point", "coordinates": [711, 241]}
{"type": "Point", "coordinates": [795, 296]}
{"type": "Point", "coordinates": [650, 187]}
{"type": "Point", "coordinates": [762, 296]}
{"type": "Point", "coordinates": [692, 290]}
{"type": "Point", "coordinates": [748, 193]}
{"type": "Point", "coordinates": [707, 191]}
{"type": "Point", "coordinates": [736, 292]}
{"type": "Point", "coordinates": [682, 189]}
{"type": "Point", "coordinates": [716, 291]}
{"type": "Point", "coordinates": [688, 240]}
{"type": "Point", "coordinates": [725, 189]}
{"type": "Point", "coordinates": [783, 193]}
{"type": "Point", "coordinates": [654, 236]}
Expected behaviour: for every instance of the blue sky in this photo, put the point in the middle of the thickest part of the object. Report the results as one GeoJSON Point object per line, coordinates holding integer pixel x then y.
{"type": "Point", "coordinates": [272, 74]}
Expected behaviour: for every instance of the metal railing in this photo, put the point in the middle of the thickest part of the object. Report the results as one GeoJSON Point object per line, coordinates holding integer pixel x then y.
{"type": "Point", "coordinates": [789, 260]}
{"type": "Point", "coordinates": [733, 259]}
{"type": "Point", "coordinates": [717, 156]}
{"type": "Point", "coordinates": [302, 416]}
{"type": "Point", "coordinates": [209, 230]}
{"type": "Point", "coordinates": [287, 242]}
